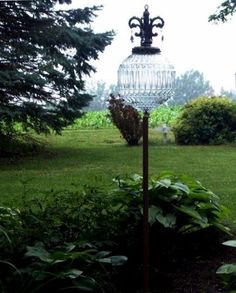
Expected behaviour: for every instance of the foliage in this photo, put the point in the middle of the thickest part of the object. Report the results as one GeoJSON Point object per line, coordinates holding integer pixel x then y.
{"type": "Point", "coordinates": [69, 215]}
{"type": "Point", "coordinates": [225, 10]}
{"type": "Point", "coordinates": [98, 119]}
{"type": "Point", "coordinates": [126, 119]}
{"type": "Point", "coordinates": [62, 240]}
{"type": "Point", "coordinates": [44, 246]}
{"type": "Point", "coordinates": [164, 115]}
{"type": "Point", "coordinates": [177, 202]}
{"type": "Point", "coordinates": [206, 121]}
{"type": "Point", "coordinates": [191, 85]}
{"type": "Point", "coordinates": [45, 54]}
{"type": "Point", "coordinates": [227, 272]}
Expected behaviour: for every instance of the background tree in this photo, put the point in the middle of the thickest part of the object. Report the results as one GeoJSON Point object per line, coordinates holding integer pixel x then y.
{"type": "Point", "coordinates": [100, 91]}
{"type": "Point", "coordinates": [44, 57]}
{"type": "Point", "coordinates": [191, 85]}
{"type": "Point", "coordinates": [228, 94]}
{"type": "Point", "coordinates": [224, 11]}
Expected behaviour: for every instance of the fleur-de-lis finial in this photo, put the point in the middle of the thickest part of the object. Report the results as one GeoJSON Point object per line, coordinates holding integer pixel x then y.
{"type": "Point", "coordinates": [146, 25]}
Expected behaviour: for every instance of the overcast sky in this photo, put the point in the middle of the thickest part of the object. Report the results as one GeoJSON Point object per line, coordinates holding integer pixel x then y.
{"type": "Point", "coordinates": [190, 41]}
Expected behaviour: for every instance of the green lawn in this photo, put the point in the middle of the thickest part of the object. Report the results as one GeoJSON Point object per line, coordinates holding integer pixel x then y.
{"type": "Point", "coordinates": [94, 157]}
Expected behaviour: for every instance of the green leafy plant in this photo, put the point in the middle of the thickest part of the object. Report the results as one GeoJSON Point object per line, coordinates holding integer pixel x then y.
{"type": "Point", "coordinates": [71, 266]}
{"type": "Point", "coordinates": [206, 121]}
{"type": "Point", "coordinates": [102, 119]}
{"type": "Point", "coordinates": [164, 115]}
{"type": "Point", "coordinates": [63, 239]}
{"type": "Point", "coordinates": [97, 119]}
{"type": "Point", "coordinates": [126, 119]}
{"type": "Point", "coordinates": [177, 202]}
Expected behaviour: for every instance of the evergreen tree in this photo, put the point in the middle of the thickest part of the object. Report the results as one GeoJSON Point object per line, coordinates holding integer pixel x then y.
{"type": "Point", "coordinates": [45, 54]}
{"type": "Point", "coordinates": [224, 11]}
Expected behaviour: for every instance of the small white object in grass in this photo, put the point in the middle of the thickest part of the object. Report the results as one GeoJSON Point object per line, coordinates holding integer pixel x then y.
{"type": "Point", "coordinates": [164, 129]}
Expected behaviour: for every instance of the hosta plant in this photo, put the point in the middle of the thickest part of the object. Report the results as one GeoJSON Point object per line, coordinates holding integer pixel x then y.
{"type": "Point", "coordinates": [71, 266]}
{"type": "Point", "coordinates": [176, 202]}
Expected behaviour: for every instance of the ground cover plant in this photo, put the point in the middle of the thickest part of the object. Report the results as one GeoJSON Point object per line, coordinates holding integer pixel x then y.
{"type": "Point", "coordinates": [64, 240]}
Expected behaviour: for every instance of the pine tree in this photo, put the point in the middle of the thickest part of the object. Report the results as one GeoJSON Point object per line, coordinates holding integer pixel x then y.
{"type": "Point", "coordinates": [45, 54]}
{"type": "Point", "coordinates": [226, 10]}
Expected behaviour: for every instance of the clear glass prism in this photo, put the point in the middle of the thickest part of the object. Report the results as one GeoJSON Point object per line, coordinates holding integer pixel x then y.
{"type": "Point", "coordinates": [146, 81]}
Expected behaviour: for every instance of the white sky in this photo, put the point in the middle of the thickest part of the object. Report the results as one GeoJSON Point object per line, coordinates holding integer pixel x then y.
{"type": "Point", "coordinates": [190, 41]}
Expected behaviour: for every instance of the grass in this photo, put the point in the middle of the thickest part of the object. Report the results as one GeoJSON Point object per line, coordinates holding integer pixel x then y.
{"type": "Point", "coordinates": [95, 156]}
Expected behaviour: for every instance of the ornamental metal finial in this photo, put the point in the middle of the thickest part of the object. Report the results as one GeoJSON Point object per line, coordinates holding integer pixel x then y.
{"type": "Point", "coordinates": [146, 25]}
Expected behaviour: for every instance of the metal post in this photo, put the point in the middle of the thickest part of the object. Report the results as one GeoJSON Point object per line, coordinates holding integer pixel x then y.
{"type": "Point", "coordinates": [145, 204]}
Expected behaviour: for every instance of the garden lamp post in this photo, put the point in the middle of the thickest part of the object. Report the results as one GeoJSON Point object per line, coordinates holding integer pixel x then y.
{"type": "Point", "coordinates": [145, 81]}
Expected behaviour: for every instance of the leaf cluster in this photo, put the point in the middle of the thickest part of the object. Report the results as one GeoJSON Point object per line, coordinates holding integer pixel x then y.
{"type": "Point", "coordinates": [178, 202]}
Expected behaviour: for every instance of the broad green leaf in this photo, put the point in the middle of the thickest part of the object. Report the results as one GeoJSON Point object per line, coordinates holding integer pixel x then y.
{"type": "Point", "coordinates": [223, 228]}
{"type": "Point", "coordinates": [84, 284]}
{"type": "Point", "coordinates": [106, 260]}
{"type": "Point", "coordinates": [231, 243]}
{"type": "Point", "coordinates": [38, 251]}
{"type": "Point", "coordinates": [168, 221]}
{"type": "Point", "coordinates": [102, 254]}
{"type": "Point", "coordinates": [72, 273]}
{"type": "Point", "coordinates": [118, 260]}
{"type": "Point", "coordinates": [227, 269]}
{"type": "Point", "coordinates": [153, 212]}
{"type": "Point", "coordinates": [189, 211]}
{"type": "Point", "coordinates": [203, 196]}
{"type": "Point", "coordinates": [180, 186]}
{"type": "Point", "coordinates": [164, 183]}
{"type": "Point", "coordinates": [156, 214]}
{"type": "Point", "coordinates": [69, 247]}
{"type": "Point", "coordinates": [136, 177]}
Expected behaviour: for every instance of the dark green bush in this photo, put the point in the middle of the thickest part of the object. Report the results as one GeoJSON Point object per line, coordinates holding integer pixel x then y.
{"type": "Point", "coordinates": [206, 121]}
{"type": "Point", "coordinates": [126, 119]}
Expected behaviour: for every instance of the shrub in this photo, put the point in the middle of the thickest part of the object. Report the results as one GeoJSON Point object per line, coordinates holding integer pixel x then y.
{"type": "Point", "coordinates": [126, 119]}
{"type": "Point", "coordinates": [206, 121]}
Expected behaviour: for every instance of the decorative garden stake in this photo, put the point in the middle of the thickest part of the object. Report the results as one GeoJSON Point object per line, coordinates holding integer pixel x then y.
{"type": "Point", "coordinates": [145, 81]}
